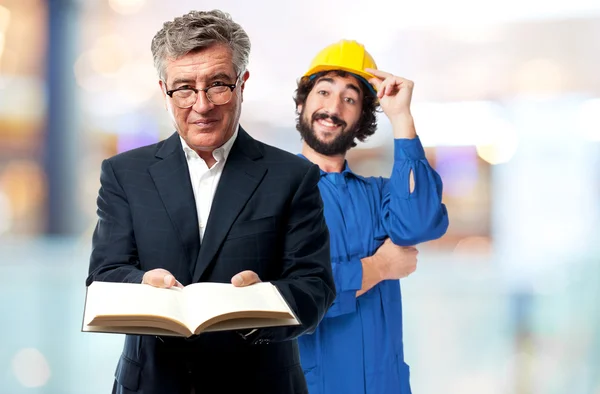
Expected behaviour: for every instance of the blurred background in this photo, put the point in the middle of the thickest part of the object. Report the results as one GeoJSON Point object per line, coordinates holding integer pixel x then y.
{"type": "Point", "coordinates": [506, 101]}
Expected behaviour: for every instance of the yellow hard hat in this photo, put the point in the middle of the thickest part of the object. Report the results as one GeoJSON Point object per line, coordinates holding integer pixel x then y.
{"type": "Point", "coordinates": [346, 55]}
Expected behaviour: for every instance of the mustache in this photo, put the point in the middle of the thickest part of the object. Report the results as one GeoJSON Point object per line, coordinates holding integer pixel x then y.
{"type": "Point", "coordinates": [334, 119]}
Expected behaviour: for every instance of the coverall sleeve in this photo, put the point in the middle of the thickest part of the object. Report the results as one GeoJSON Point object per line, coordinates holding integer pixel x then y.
{"type": "Point", "coordinates": [410, 218]}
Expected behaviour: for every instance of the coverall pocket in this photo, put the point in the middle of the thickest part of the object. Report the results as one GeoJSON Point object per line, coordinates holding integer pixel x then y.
{"type": "Point", "coordinates": [404, 373]}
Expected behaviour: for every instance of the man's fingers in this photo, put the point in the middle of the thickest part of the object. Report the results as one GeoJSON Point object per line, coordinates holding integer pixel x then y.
{"type": "Point", "coordinates": [412, 249]}
{"type": "Point", "coordinates": [245, 278]}
{"type": "Point", "coordinates": [161, 278]}
{"type": "Point", "coordinates": [392, 86]}
{"type": "Point", "coordinates": [388, 84]}
{"type": "Point", "coordinates": [385, 88]}
{"type": "Point", "coordinates": [378, 73]}
{"type": "Point", "coordinates": [382, 75]}
{"type": "Point", "coordinates": [157, 280]}
{"type": "Point", "coordinates": [376, 83]}
{"type": "Point", "coordinates": [169, 280]}
{"type": "Point", "coordinates": [391, 89]}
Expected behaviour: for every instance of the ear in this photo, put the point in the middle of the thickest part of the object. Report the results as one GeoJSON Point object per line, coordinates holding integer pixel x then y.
{"type": "Point", "coordinates": [245, 78]}
{"type": "Point", "coordinates": [299, 109]}
{"type": "Point", "coordinates": [243, 84]}
{"type": "Point", "coordinates": [163, 90]}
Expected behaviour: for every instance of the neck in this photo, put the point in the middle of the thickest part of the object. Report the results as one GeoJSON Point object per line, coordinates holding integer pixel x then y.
{"type": "Point", "coordinates": [207, 156]}
{"type": "Point", "coordinates": [326, 163]}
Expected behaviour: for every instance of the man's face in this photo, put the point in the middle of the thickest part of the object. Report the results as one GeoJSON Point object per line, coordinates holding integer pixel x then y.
{"type": "Point", "coordinates": [330, 116]}
{"type": "Point", "coordinates": [204, 126]}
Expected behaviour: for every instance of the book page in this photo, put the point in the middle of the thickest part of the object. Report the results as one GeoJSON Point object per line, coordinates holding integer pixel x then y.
{"type": "Point", "coordinates": [206, 301]}
{"type": "Point", "coordinates": [135, 330]}
{"type": "Point", "coordinates": [135, 302]}
{"type": "Point", "coordinates": [249, 323]}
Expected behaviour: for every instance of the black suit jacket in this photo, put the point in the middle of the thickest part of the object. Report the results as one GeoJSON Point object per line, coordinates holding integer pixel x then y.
{"type": "Point", "coordinates": [266, 216]}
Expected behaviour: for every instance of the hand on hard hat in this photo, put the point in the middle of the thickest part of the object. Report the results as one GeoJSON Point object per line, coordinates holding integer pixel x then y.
{"type": "Point", "coordinates": [394, 93]}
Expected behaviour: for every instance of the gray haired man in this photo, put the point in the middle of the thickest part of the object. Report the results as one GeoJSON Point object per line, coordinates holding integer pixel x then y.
{"type": "Point", "coordinates": [212, 204]}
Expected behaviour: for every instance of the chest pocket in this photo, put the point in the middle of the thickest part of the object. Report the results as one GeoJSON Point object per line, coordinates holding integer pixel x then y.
{"type": "Point", "coordinates": [253, 227]}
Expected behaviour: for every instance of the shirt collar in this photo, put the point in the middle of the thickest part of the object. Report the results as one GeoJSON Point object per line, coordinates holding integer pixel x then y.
{"type": "Point", "coordinates": [346, 171]}
{"type": "Point", "coordinates": [220, 154]}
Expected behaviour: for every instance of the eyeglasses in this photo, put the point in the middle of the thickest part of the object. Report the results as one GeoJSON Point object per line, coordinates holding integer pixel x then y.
{"type": "Point", "coordinates": [219, 94]}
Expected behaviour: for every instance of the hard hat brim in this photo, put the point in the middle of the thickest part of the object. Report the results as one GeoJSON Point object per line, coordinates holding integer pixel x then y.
{"type": "Point", "coordinates": [363, 75]}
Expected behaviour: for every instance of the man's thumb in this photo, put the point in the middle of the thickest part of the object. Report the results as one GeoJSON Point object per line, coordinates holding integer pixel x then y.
{"type": "Point", "coordinates": [169, 280]}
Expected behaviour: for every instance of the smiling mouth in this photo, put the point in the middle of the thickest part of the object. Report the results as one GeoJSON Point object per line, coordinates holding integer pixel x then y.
{"type": "Point", "coordinates": [204, 123]}
{"type": "Point", "coordinates": [328, 125]}
{"type": "Point", "coordinates": [329, 122]}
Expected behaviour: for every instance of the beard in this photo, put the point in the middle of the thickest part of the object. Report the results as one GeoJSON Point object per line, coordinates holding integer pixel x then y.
{"type": "Point", "coordinates": [338, 146]}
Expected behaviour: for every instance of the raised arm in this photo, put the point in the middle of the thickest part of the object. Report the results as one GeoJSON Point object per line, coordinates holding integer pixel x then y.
{"type": "Point", "coordinates": [412, 210]}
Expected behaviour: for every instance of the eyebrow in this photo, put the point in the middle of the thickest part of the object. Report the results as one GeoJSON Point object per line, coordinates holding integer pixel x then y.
{"type": "Point", "coordinates": [185, 81]}
{"type": "Point", "coordinates": [191, 81]}
{"type": "Point", "coordinates": [219, 76]}
{"type": "Point", "coordinates": [350, 86]}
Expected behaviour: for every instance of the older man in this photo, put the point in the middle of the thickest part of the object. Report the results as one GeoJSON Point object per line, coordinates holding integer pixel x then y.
{"type": "Point", "coordinates": [210, 203]}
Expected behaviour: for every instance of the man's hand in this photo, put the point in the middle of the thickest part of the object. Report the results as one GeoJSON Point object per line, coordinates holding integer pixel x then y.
{"type": "Point", "coordinates": [245, 278]}
{"type": "Point", "coordinates": [390, 261]}
{"type": "Point", "coordinates": [395, 94]}
{"type": "Point", "coordinates": [160, 278]}
{"type": "Point", "coordinates": [395, 262]}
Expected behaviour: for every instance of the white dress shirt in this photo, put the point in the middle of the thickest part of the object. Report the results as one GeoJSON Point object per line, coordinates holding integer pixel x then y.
{"type": "Point", "coordinates": [204, 179]}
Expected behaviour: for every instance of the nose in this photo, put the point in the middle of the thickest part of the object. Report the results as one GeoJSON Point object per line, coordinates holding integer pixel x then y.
{"type": "Point", "coordinates": [202, 104]}
{"type": "Point", "coordinates": [334, 106]}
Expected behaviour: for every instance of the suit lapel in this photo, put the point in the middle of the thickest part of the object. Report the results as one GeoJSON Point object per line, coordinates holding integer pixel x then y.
{"type": "Point", "coordinates": [172, 180]}
{"type": "Point", "coordinates": [240, 178]}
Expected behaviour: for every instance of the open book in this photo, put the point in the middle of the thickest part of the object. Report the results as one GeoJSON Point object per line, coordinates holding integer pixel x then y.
{"type": "Point", "coordinates": [132, 308]}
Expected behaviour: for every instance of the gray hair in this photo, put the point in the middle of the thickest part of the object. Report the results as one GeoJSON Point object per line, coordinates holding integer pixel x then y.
{"type": "Point", "coordinates": [197, 30]}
